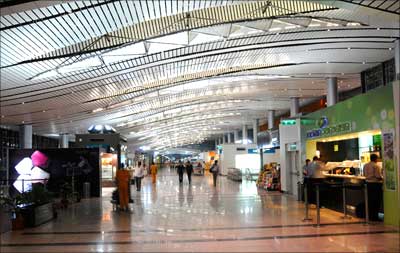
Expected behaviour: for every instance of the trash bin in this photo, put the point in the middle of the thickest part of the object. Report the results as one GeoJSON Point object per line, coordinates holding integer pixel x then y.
{"type": "Point", "coordinates": [86, 190]}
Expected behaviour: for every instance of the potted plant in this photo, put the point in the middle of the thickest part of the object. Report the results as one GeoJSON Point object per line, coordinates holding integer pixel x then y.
{"type": "Point", "coordinates": [13, 206]}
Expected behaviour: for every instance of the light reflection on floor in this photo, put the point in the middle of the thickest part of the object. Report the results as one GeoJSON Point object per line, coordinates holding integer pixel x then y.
{"type": "Point", "coordinates": [171, 217]}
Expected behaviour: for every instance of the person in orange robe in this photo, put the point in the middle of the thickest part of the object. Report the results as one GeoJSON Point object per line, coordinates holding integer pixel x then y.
{"type": "Point", "coordinates": [123, 178]}
{"type": "Point", "coordinates": [153, 171]}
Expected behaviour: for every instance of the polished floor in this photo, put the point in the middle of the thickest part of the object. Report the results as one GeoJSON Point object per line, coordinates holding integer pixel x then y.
{"type": "Point", "coordinates": [233, 217]}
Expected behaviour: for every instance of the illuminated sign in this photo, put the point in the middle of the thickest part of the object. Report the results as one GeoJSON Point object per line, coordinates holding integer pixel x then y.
{"type": "Point", "coordinates": [30, 172]}
{"type": "Point", "coordinates": [330, 130]}
{"type": "Point", "coordinates": [287, 122]}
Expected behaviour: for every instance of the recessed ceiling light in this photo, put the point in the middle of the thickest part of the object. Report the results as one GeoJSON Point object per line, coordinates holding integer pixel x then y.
{"type": "Point", "coordinates": [23, 103]}
{"type": "Point", "coordinates": [378, 28]}
{"type": "Point", "coordinates": [363, 62]}
{"type": "Point", "coordinates": [329, 30]}
{"type": "Point", "coordinates": [98, 110]}
{"type": "Point", "coordinates": [390, 49]}
{"type": "Point", "coordinates": [327, 62]}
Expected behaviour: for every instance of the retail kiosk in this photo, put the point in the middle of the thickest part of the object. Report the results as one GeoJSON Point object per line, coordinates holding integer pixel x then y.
{"type": "Point", "coordinates": [344, 135]}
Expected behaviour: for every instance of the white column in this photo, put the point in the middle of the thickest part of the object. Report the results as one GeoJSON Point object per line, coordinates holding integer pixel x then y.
{"type": "Point", "coordinates": [64, 141]}
{"type": "Point", "coordinates": [255, 130]}
{"type": "Point", "coordinates": [229, 138]}
{"type": "Point", "coordinates": [25, 136]}
{"type": "Point", "coordinates": [235, 136]}
{"type": "Point", "coordinates": [331, 91]}
{"type": "Point", "coordinates": [223, 138]}
{"type": "Point", "coordinates": [294, 106]}
{"type": "Point", "coordinates": [271, 116]}
{"type": "Point", "coordinates": [216, 143]}
{"type": "Point", "coordinates": [244, 134]}
{"type": "Point", "coordinates": [397, 58]}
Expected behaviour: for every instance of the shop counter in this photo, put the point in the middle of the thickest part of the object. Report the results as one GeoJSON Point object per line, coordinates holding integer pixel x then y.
{"type": "Point", "coordinates": [331, 194]}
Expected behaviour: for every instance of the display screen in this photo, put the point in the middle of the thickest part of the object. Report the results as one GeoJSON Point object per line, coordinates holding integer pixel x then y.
{"type": "Point", "coordinates": [55, 167]}
{"type": "Point", "coordinates": [337, 151]}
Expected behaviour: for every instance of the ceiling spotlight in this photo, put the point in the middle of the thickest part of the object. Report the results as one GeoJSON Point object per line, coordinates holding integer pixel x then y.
{"type": "Point", "coordinates": [390, 49]}
{"type": "Point", "coordinates": [349, 48]}
{"type": "Point", "coordinates": [363, 62]}
{"type": "Point", "coordinates": [378, 28]}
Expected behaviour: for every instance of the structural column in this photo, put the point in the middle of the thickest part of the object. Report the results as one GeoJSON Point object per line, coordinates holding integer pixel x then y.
{"type": "Point", "coordinates": [255, 130]}
{"type": "Point", "coordinates": [25, 136]}
{"type": "Point", "coordinates": [229, 138]}
{"type": "Point", "coordinates": [271, 116]}
{"type": "Point", "coordinates": [294, 106]}
{"type": "Point", "coordinates": [223, 138]}
{"type": "Point", "coordinates": [397, 58]}
{"type": "Point", "coordinates": [244, 134]}
{"type": "Point", "coordinates": [235, 136]}
{"type": "Point", "coordinates": [332, 91]}
{"type": "Point", "coordinates": [216, 143]}
{"type": "Point", "coordinates": [64, 141]}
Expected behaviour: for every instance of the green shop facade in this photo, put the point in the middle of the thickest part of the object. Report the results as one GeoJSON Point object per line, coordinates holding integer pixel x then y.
{"type": "Point", "coordinates": [375, 113]}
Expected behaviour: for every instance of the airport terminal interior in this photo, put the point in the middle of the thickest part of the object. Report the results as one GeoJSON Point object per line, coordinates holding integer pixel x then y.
{"type": "Point", "coordinates": [200, 126]}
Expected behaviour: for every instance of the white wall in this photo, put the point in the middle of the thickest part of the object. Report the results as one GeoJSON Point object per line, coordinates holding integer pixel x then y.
{"type": "Point", "coordinates": [229, 151]}
{"type": "Point", "coordinates": [288, 134]}
{"type": "Point", "coordinates": [272, 158]}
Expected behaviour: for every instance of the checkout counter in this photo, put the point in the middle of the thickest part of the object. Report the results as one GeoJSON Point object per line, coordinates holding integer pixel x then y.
{"type": "Point", "coordinates": [348, 175]}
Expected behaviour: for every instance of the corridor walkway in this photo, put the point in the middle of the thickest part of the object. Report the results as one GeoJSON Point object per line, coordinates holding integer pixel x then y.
{"type": "Point", "coordinates": [198, 218]}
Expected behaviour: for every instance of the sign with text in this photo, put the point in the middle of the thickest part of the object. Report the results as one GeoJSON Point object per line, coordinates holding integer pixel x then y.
{"type": "Point", "coordinates": [340, 128]}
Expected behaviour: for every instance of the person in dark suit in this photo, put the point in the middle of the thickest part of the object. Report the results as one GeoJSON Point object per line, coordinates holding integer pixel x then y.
{"type": "Point", "coordinates": [189, 171]}
{"type": "Point", "coordinates": [180, 169]}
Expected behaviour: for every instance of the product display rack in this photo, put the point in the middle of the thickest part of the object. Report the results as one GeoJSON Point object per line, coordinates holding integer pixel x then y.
{"type": "Point", "coordinates": [269, 178]}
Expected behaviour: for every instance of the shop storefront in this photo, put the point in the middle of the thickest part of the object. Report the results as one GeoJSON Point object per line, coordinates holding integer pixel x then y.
{"type": "Point", "coordinates": [346, 134]}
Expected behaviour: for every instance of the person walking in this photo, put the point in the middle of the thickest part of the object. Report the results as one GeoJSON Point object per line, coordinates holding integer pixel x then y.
{"type": "Point", "coordinates": [123, 178]}
{"type": "Point", "coordinates": [180, 169]}
{"type": "Point", "coordinates": [153, 171]}
{"type": "Point", "coordinates": [189, 171]}
{"type": "Point", "coordinates": [215, 171]}
{"type": "Point", "coordinates": [139, 174]}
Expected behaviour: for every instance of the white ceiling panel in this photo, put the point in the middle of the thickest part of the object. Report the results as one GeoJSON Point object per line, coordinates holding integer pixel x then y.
{"type": "Point", "coordinates": [148, 66]}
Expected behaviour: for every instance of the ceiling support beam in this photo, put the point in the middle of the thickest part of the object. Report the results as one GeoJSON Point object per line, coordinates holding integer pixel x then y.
{"type": "Point", "coordinates": [332, 91]}
{"type": "Point", "coordinates": [294, 106]}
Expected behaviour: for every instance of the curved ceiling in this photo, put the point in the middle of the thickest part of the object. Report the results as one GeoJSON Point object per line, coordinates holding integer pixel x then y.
{"type": "Point", "coordinates": [168, 73]}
